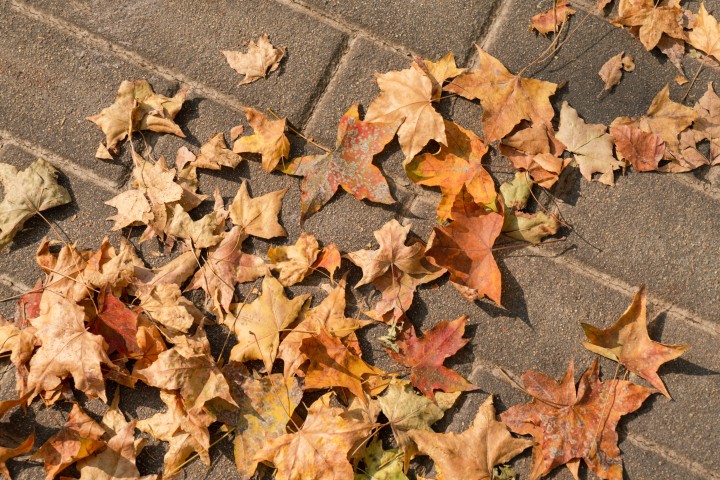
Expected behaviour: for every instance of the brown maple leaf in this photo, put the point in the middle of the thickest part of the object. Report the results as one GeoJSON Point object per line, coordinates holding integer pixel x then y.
{"type": "Point", "coordinates": [456, 165]}
{"type": "Point", "coordinates": [79, 438]}
{"type": "Point", "coordinates": [215, 154]}
{"type": "Point", "coordinates": [643, 150]}
{"type": "Point", "coordinates": [535, 149]}
{"type": "Point", "coordinates": [464, 248]}
{"type": "Point", "coordinates": [294, 262]}
{"type": "Point", "coordinates": [570, 425]}
{"type": "Point", "coordinates": [258, 325]}
{"type": "Point", "coordinates": [348, 166]}
{"type": "Point", "coordinates": [320, 449]}
{"type": "Point", "coordinates": [654, 21]}
{"type": "Point", "coordinates": [137, 108]}
{"type": "Point", "coordinates": [611, 71]}
{"type": "Point", "coordinates": [165, 305]}
{"type": "Point", "coordinates": [107, 268]}
{"type": "Point", "coordinates": [406, 98]}
{"type": "Point", "coordinates": [705, 34]}
{"type": "Point", "coordinates": [258, 216]}
{"type": "Point", "coordinates": [506, 99]}
{"type": "Point", "coordinates": [489, 441]}
{"type": "Point", "coordinates": [425, 356]}
{"type": "Point", "coordinates": [627, 342]}
{"type": "Point", "coordinates": [268, 139]}
{"type": "Point", "coordinates": [395, 269]}
{"type": "Point", "coordinates": [260, 59]}
{"type": "Point", "coordinates": [553, 19]}
{"type": "Point", "coordinates": [227, 265]}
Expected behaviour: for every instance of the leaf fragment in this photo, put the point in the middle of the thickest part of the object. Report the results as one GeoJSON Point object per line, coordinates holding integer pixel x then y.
{"type": "Point", "coordinates": [552, 20]}
{"type": "Point", "coordinates": [643, 150]}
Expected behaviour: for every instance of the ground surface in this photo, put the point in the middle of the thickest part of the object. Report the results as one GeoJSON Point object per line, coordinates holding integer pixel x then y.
{"type": "Point", "coordinates": [61, 61]}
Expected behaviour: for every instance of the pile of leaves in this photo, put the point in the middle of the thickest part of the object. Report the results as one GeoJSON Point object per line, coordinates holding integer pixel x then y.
{"type": "Point", "coordinates": [323, 412]}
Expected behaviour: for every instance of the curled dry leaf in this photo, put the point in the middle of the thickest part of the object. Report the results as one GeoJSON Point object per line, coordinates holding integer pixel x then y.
{"type": "Point", "coordinates": [26, 193]}
{"type": "Point", "coordinates": [535, 149]}
{"type": "Point", "coordinates": [348, 166]}
{"type": "Point", "coordinates": [214, 154]}
{"type": "Point", "coordinates": [643, 150]}
{"type": "Point", "coordinates": [406, 98]}
{"type": "Point", "coordinates": [425, 356]}
{"type": "Point", "coordinates": [591, 145]}
{"type": "Point", "coordinates": [165, 304]}
{"type": "Point", "coordinates": [258, 216]}
{"type": "Point", "coordinates": [268, 139]}
{"type": "Point", "coordinates": [320, 449]}
{"type": "Point", "coordinates": [530, 227]}
{"type": "Point", "coordinates": [109, 269]}
{"type": "Point", "coordinates": [294, 262]}
{"type": "Point", "coordinates": [552, 20]}
{"type": "Point", "coordinates": [457, 165]}
{"type": "Point", "coordinates": [570, 425]}
{"type": "Point", "coordinates": [515, 194]}
{"type": "Point", "coordinates": [654, 21]}
{"type": "Point", "coordinates": [611, 71]}
{"type": "Point", "coordinates": [705, 35]}
{"type": "Point", "coordinates": [439, 72]}
{"type": "Point", "coordinates": [381, 464]}
{"type": "Point", "coordinates": [260, 59]}
{"type": "Point", "coordinates": [202, 233]}
{"type": "Point", "coordinates": [627, 342]}
{"type": "Point", "coordinates": [488, 439]}
{"type": "Point", "coordinates": [506, 99]}
{"type": "Point", "coordinates": [137, 108]}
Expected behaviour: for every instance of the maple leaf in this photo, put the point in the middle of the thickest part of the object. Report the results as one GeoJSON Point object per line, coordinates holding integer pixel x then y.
{"type": "Point", "coordinates": [406, 98]}
{"type": "Point", "coordinates": [68, 349]}
{"type": "Point", "coordinates": [186, 433]}
{"type": "Point", "coordinates": [664, 118]}
{"type": "Point", "coordinates": [464, 248]}
{"type": "Point", "coordinates": [136, 108]}
{"type": "Point", "coordinates": [176, 271]}
{"type": "Point", "coordinates": [258, 216]}
{"type": "Point", "coordinates": [456, 165]}
{"type": "Point", "coordinates": [203, 233]}
{"type": "Point", "coordinates": [27, 192]}
{"type": "Point", "coordinates": [439, 72]}
{"type": "Point", "coordinates": [425, 356]}
{"type": "Point", "coordinates": [551, 20]}
{"type": "Point", "coordinates": [260, 59]}
{"type": "Point", "coordinates": [407, 411]}
{"type": "Point", "coordinates": [489, 440]}
{"type": "Point", "coordinates": [114, 270]}
{"type": "Point", "coordinates": [333, 364]}
{"type": "Point", "coordinates": [214, 154]}
{"type": "Point", "coordinates": [165, 304]}
{"type": "Point", "coordinates": [707, 125]}
{"type": "Point", "coordinates": [395, 269]}
{"type": "Point", "coordinates": [654, 21]}
{"type": "Point", "coordinates": [65, 273]}
{"type": "Point", "coordinates": [570, 425]}
{"type": "Point", "coordinates": [328, 315]}
{"type": "Point", "coordinates": [7, 453]}
{"type": "Point", "coordinates": [536, 150]}
{"type": "Point", "coordinates": [611, 71]}
{"type": "Point", "coordinates": [348, 166]}
{"type": "Point", "coordinates": [79, 438]}
{"type": "Point", "coordinates": [116, 324]}
{"type": "Point", "coordinates": [189, 369]}
{"type": "Point", "coordinates": [381, 464]}
{"type": "Point", "coordinates": [590, 143]}
{"type": "Point", "coordinates": [266, 407]}
{"type": "Point", "coordinates": [705, 35]}
{"type": "Point", "coordinates": [257, 325]}
{"type": "Point", "coordinates": [506, 98]}
{"type": "Point", "coordinates": [627, 342]}
{"type": "Point", "coordinates": [294, 262]}
{"type": "Point", "coordinates": [320, 449]}
{"type": "Point", "coordinates": [643, 150]}
{"type": "Point", "coordinates": [268, 139]}
{"type": "Point", "coordinates": [227, 265]}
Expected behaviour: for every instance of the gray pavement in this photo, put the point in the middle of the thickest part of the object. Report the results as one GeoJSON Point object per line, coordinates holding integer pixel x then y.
{"type": "Point", "coordinates": [63, 61]}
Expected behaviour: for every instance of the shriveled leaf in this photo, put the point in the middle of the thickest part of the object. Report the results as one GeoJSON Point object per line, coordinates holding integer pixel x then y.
{"type": "Point", "coordinates": [591, 145]}
{"type": "Point", "coordinates": [707, 124]}
{"type": "Point", "coordinates": [627, 342]}
{"type": "Point", "coordinates": [425, 357]}
{"type": "Point", "coordinates": [203, 233]}
{"type": "Point", "coordinates": [268, 139]}
{"type": "Point", "coordinates": [552, 20]}
{"type": "Point", "coordinates": [530, 227]}
{"type": "Point", "coordinates": [643, 150]}
{"type": "Point", "coordinates": [294, 262]}
{"type": "Point", "coordinates": [349, 166]}
{"type": "Point", "coordinates": [611, 71]}
{"type": "Point", "coordinates": [258, 216]}
{"type": "Point", "coordinates": [26, 193]}
{"type": "Point", "coordinates": [515, 194]}
{"type": "Point", "coordinates": [488, 439]}
{"type": "Point", "coordinates": [165, 304]}
{"type": "Point", "coordinates": [214, 154]}
{"type": "Point", "coordinates": [406, 98]}
{"type": "Point", "coordinates": [107, 268]}
{"type": "Point", "coordinates": [536, 150]}
{"type": "Point", "coordinates": [260, 59]}
{"type": "Point", "coordinates": [257, 325]}
{"type": "Point", "coordinates": [506, 98]}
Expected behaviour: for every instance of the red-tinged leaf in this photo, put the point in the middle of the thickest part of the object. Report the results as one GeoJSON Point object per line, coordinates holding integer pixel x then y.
{"type": "Point", "coordinates": [328, 259]}
{"type": "Point", "coordinates": [28, 307]}
{"type": "Point", "coordinates": [117, 324]}
{"type": "Point", "coordinates": [425, 356]}
{"type": "Point", "coordinates": [348, 166]}
{"type": "Point", "coordinates": [643, 150]}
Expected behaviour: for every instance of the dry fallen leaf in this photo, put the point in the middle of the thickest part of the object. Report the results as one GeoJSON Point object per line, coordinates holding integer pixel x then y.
{"type": "Point", "coordinates": [707, 124]}
{"type": "Point", "coordinates": [551, 20]}
{"type": "Point", "coordinates": [214, 154]}
{"type": "Point", "coordinates": [268, 139]}
{"type": "Point", "coordinates": [294, 262]}
{"type": "Point", "coordinates": [506, 99]}
{"type": "Point", "coordinates": [535, 149]}
{"type": "Point", "coordinates": [489, 441]}
{"type": "Point", "coordinates": [705, 35]}
{"type": "Point", "coordinates": [530, 227]}
{"type": "Point", "coordinates": [611, 71]}
{"type": "Point", "coordinates": [165, 304]}
{"type": "Point", "coordinates": [26, 193]}
{"type": "Point", "coordinates": [643, 150]}
{"type": "Point", "coordinates": [258, 216]}
{"type": "Point", "coordinates": [654, 21]}
{"type": "Point", "coordinates": [260, 59]}
{"type": "Point", "coordinates": [627, 342]}
{"type": "Point", "coordinates": [348, 166]}
{"type": "Point", "coordinates": [439, 72]}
